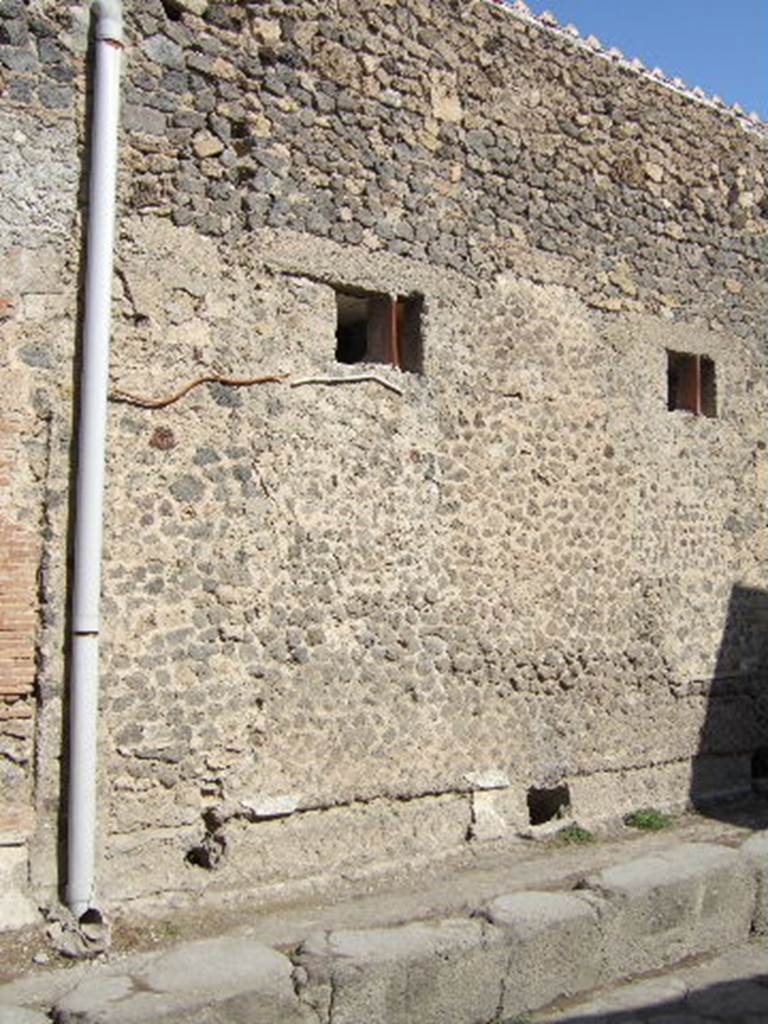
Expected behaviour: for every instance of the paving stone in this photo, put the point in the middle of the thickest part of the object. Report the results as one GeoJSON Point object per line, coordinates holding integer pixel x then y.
{"type": "Point", "coordinates": [683, 1017]}
{"type": "Point", "coordinates": [733, 997]}
{"type": "Point", "coordinates": [227, 979]}
{"type": "Point", "coordinates": [724, 990]}
{"type": "Point", "coordinates": [21, 1015]}
{"type": "Point", "coordinates": [669, 991]}
{"type": "Point", "coordinates": [755, 849]}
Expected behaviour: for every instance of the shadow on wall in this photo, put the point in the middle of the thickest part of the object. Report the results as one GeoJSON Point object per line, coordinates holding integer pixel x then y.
{"type": "Point", "coordinates": [745, 999]}
{"type": "Point", "coordinates": [732, 756]}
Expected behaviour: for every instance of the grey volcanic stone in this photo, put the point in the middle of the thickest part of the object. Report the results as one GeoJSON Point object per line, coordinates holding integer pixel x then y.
{"type": "Point", "coordinates": [554, 942]}
{"type": "Point", "coordinates": [219, 981]}
{"type": "Point", "coordinates": [22, 1015]}
{"type": "Point", "coordinates": [187, 488]}
{"type": "Point", "coordinates": [163, 50]}
{"type": "Point", "coordinates": [437, 972]}
{"type": "Point", "coordinates": [144, 119]}
{"type": "Point", "coordinates": [690, 899]}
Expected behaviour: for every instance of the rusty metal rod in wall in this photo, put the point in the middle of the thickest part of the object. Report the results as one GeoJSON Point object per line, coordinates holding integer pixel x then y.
{"type": "Point", "coordinates": [394, 333]}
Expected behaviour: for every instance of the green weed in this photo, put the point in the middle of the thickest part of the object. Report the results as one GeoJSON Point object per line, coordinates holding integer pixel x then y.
{"type": "Point", "coordinates": [649, 818]}
{"type": "Point", "coordinates": [573, 835]}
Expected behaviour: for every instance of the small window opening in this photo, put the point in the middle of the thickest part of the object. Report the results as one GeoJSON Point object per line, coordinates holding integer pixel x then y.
{"type": "Point", "coordinates": [760, 771]}
{"type": "Point", "coordinates": [691, 383]}
{"type": "Point", "coordinates": [372, 328]}
{"type": "Point", "coordinates": [548, 804]}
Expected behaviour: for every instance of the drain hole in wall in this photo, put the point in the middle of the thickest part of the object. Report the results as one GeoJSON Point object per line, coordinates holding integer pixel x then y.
{"type": "Point", "coordinates": [548, 804]}
{"type": "Point", "coordinates": [209, 853]}
{"type": "Point", "coordinates": [760, 771]}
{"type": "Point", "coordinates": [91, 916]}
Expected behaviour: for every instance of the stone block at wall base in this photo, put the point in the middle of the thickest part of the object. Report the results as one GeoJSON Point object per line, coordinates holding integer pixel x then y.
{"type": "Point", "coordinates": [294, 850]}
{"type": "Point", "coordinates": [605, 795]}
{"type": "Point", "coordinates": [16, 909]}
{"type": "Point", "coordinates": [671, 787]}
{"type": "Point", "coordinates": [498, 813]}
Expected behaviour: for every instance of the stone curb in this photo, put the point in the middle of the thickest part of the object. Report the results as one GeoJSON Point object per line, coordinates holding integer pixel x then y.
{"type": "Point", "coordinates": [756, 851]}
{"type": "Point", "coordinates": [535, 947]}
{"type": "Point", "coordinates": [515, 954]}
{"type": "Point", "coordinates": [695, 898]}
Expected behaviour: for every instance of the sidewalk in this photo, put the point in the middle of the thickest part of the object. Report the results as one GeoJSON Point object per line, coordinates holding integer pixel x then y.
{"type": "Point", "coordinates": [487, 939]}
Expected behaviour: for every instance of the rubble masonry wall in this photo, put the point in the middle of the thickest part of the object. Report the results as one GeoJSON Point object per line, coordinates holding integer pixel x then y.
{"type": "Point", "coordinates": [345, 625]}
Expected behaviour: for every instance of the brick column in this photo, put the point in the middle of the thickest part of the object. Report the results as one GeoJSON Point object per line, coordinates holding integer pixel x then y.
{"type": "Point", "coordinates": [19, 557]}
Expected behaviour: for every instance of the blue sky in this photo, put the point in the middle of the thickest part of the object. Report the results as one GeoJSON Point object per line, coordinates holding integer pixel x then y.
{"type": "Point", "coordinates": [720, 45]}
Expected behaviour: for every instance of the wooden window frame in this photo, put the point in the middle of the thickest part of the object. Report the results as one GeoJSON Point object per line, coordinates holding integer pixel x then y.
{"type": "Point", "coordinates": [691, 383]}
{"type": "Point", "coordinates": [391, 326]}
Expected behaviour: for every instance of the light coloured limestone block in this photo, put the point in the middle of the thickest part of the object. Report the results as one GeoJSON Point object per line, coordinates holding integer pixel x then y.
{"type": "Point", "coordinates": [267, 31]}
{"type": "Point", "coordinates": [16, 909]}
{"type": "Point", "coordinates": [499, 813]}
{"type": "Point", "coordinates": [206, 144]}
{"type": "Point", "coordinates": [34, 215]}
{"type": "Point", "coordinates": [272, 806]}
{"type": "Point", "coordinates": [491, 778]}
{"type": "Point", "coordinates": [604, 795]}
{"type": "Point", "coordinates": [487, 821]}
{"type": "Point", "coordinates": [444, 96]}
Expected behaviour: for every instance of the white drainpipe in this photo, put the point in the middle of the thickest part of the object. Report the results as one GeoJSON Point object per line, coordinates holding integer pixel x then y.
{"type": "Point", "coordinates": [86, 587]}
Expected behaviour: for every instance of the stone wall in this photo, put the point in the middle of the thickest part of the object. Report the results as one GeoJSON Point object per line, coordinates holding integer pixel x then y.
{"type": "Point", "coordinates": [348, 624]}
{"type": "Point", "coordinates": [42, 49]}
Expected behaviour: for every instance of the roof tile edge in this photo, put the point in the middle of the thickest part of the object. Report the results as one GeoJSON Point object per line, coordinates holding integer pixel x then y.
{"type": "Point", "coordinates": [547, 22]}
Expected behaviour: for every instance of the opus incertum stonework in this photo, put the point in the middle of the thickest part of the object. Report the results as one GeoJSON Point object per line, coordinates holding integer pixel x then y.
{"type": "Point", "coordinates": [511, 566]}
